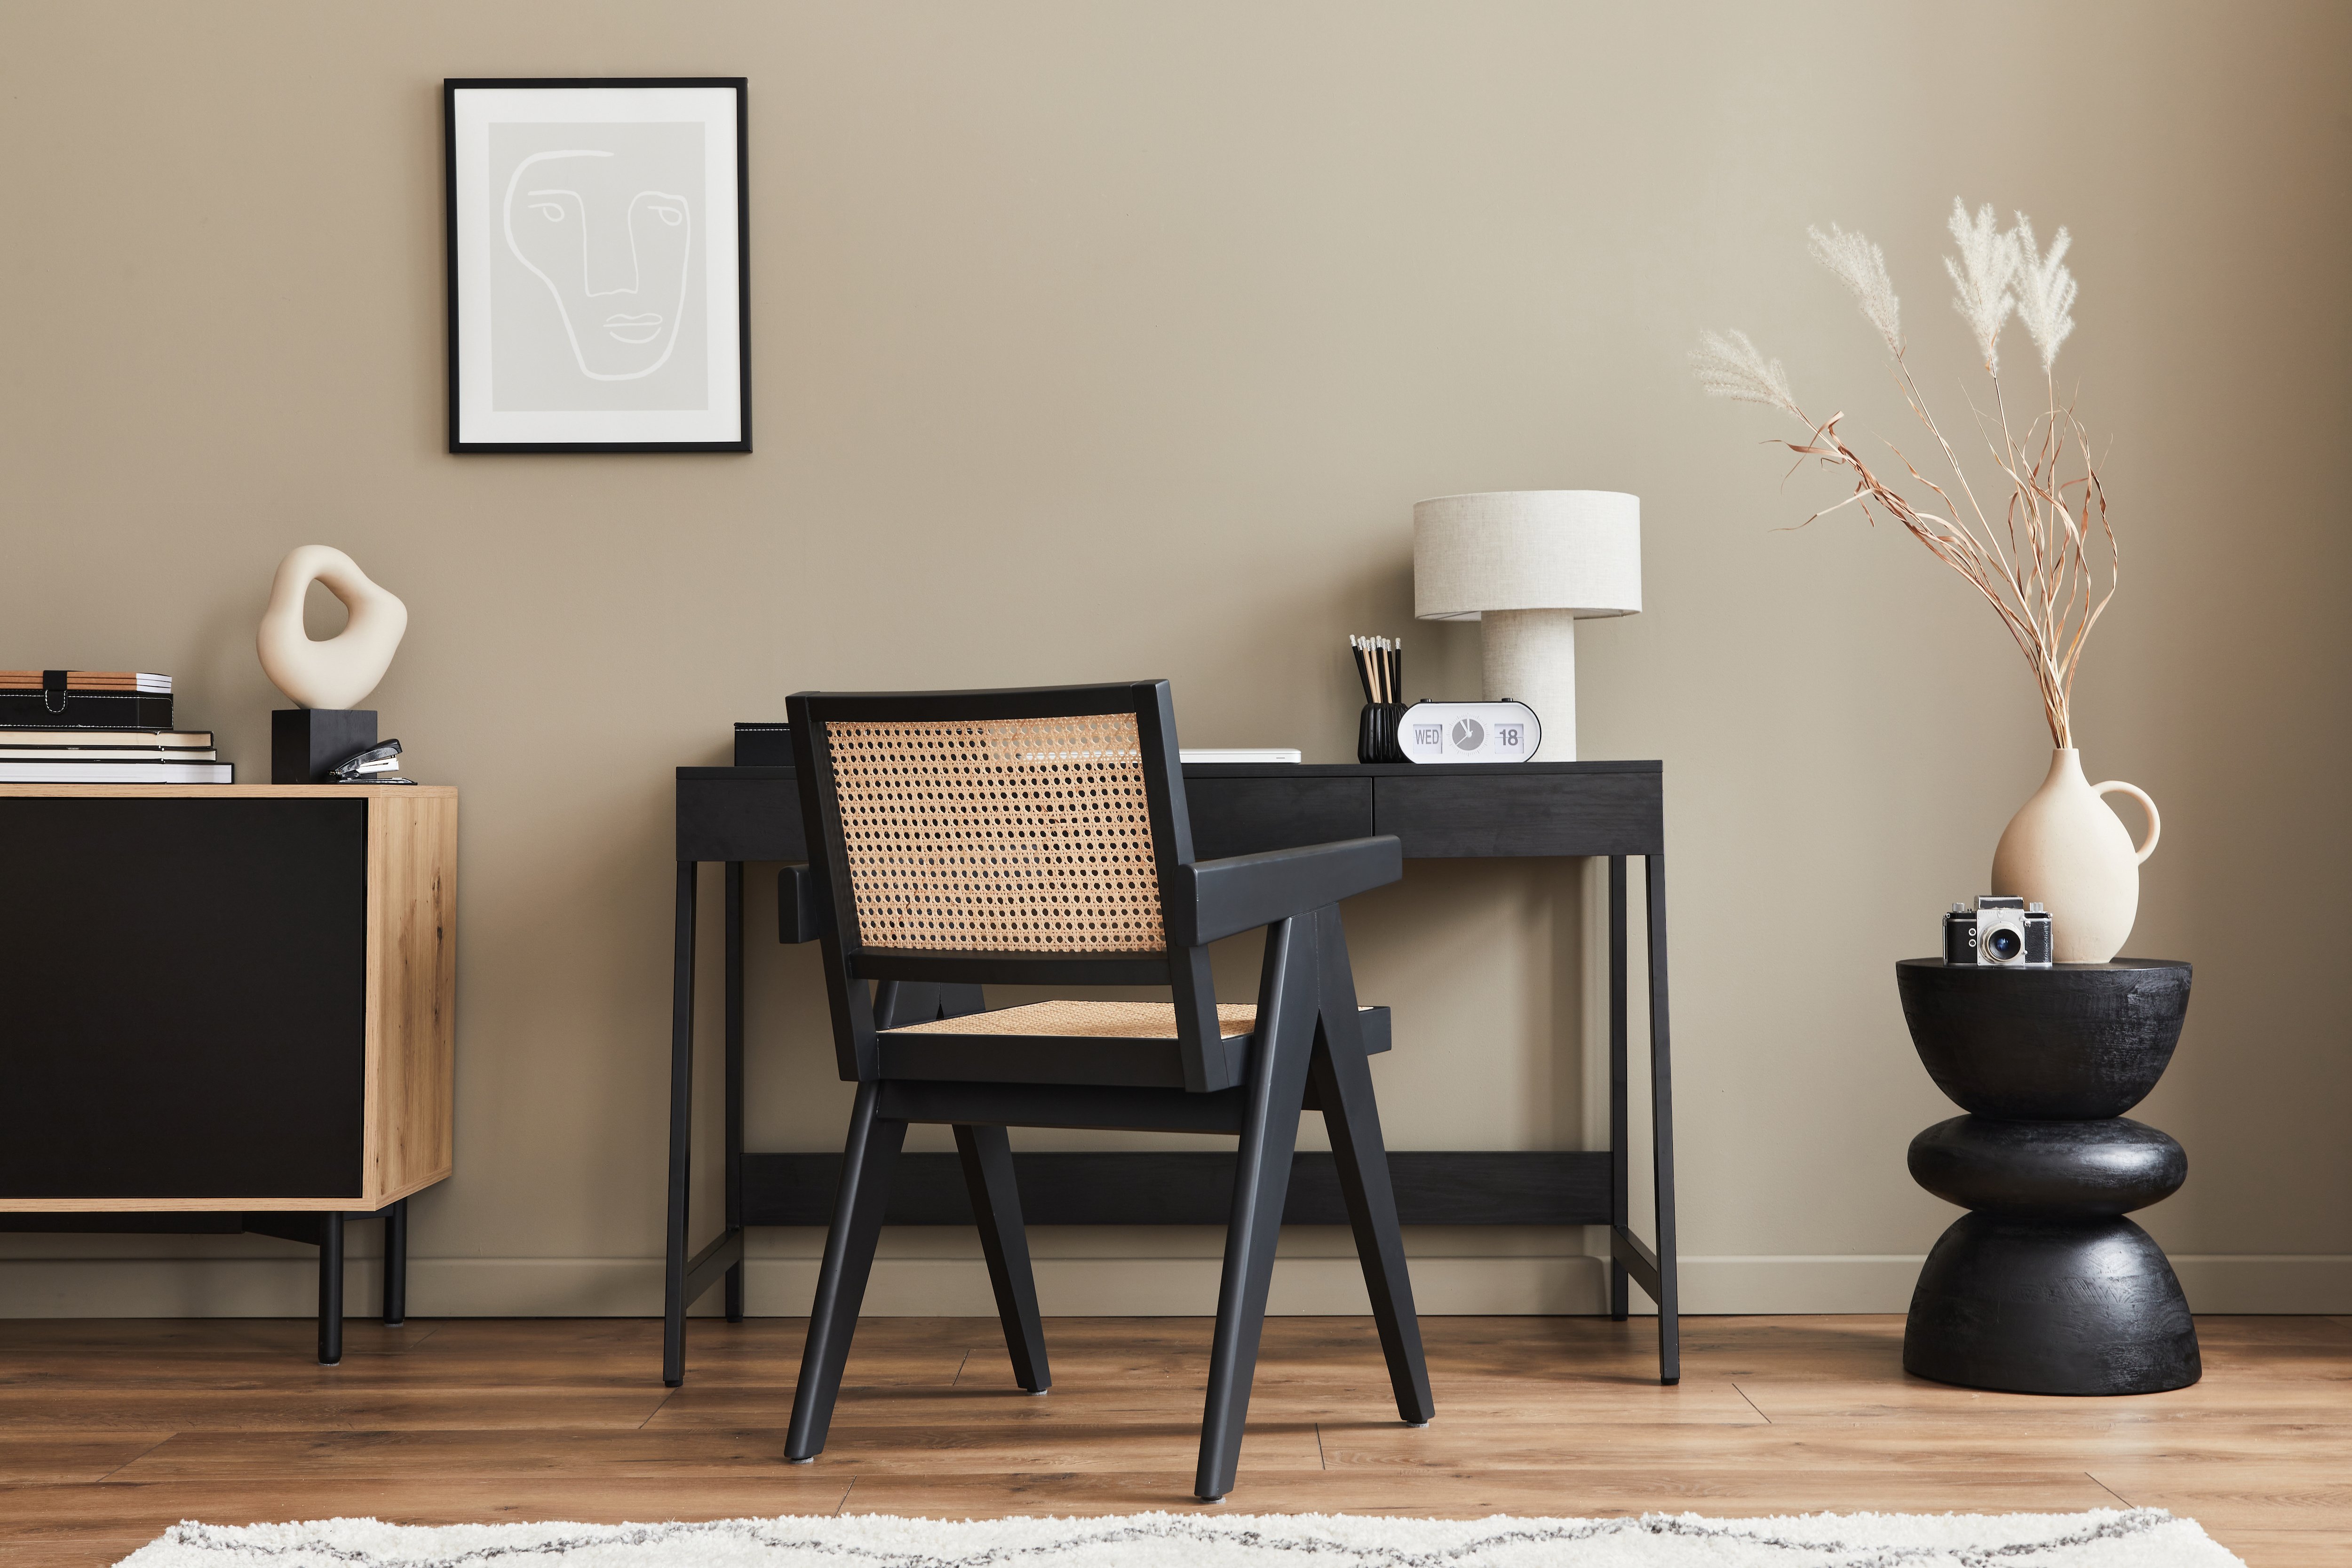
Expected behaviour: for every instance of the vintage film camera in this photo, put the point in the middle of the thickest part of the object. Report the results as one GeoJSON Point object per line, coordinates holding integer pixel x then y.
{"type": "Point", "coordinates": [2008, 931]}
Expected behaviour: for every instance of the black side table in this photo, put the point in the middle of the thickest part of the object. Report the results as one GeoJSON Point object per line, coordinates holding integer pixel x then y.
{"type": "Point", "coordinates": [2045, 1287]}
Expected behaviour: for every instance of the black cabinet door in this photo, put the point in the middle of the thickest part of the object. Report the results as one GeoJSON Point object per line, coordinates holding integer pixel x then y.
{"type": "Point", "coordinates": [182, 994]}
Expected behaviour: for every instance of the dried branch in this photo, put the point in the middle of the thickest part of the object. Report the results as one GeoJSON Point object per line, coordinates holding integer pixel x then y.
{"type": "Point", "coordinates": [2036, 566]}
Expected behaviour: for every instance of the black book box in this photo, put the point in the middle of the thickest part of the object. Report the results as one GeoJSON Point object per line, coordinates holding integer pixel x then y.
{"type": "Point", "coordinates": [85, 711]}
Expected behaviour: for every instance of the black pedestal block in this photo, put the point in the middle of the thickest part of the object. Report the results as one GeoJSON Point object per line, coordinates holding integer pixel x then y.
{"type": "Point", "coordinates": [2046, 1288]}
{"type": "Point", "coordinates": [307, 744]}
{"type": "Point", "coordinates": [2037, 1306]}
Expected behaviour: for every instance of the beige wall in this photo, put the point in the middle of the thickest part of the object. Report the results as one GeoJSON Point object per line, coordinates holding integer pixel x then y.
{"type": "Point", "coordinates": [1109, 341]}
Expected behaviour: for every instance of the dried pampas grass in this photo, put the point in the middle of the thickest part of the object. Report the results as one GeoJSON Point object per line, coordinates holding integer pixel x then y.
{"type": "Point", "coordinates": [2043, 554]}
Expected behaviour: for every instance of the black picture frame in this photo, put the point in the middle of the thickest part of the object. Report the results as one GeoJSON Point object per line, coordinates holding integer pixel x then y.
{"type": "Point", "coordinates": [457, 345]}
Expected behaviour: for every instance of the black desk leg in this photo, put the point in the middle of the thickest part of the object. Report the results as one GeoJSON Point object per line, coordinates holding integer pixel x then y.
{"type": "Point", "coordinates": [395, 1265]}
{"type": "Point", "coordinates": [331, 1287]}
{"type": "Point", "coordinates": [681, 1126]}
{"type": "Point", "coordinates": [735, 1079]}
{"type": "Point", "coordinates": [1620, 1165]}
{"type": "Point", "coordinates": [1662, 1133]}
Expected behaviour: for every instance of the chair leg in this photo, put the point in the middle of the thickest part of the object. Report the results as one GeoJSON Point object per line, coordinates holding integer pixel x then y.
{"type": "Point", "coordinates": [1343, 1087]}
{"type": "Point", "coordinates": [987, 1156]}
{"type": "Point", "coordinates": [866, 1165]}
{"type": "Point", "coordinates": [1276, 1088]}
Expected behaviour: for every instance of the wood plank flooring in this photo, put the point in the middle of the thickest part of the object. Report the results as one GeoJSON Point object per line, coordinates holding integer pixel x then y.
{"type": "Point", "coordinates": [112, 1430]}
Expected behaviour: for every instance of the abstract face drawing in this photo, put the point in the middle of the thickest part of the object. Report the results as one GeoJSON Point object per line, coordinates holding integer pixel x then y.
{"type": "Point", "coordinates": [616, 265]}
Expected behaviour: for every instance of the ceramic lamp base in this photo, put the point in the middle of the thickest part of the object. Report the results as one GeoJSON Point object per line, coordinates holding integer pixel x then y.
{"type": "Point", "coordinates": [1529, 656]}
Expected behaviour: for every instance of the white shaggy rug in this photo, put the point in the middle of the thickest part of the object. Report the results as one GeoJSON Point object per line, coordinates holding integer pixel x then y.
{"type": "Point", "coordinates": [2139, 1538]}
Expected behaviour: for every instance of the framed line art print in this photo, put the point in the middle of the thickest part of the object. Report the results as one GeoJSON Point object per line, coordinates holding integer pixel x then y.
{"type": "Point", "coordinates": [598, 278]}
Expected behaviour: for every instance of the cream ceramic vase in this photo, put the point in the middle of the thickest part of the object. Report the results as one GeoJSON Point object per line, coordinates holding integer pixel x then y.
{"type": "Point", "coordinates": [2067, 851]}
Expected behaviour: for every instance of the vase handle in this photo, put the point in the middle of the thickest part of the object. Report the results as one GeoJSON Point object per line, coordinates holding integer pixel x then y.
{"type": "Point", "coordinates": [2155, 822]}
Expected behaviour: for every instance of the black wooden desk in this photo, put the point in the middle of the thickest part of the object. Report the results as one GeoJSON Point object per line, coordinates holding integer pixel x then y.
{"type": "Point", "coordinates": [737, 815]}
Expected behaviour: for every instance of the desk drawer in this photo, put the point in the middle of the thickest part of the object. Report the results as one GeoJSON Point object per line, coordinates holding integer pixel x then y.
{"type": "Point", "coordinates": [753, 817]}
{"type": "Point", "coordinates": [1445, 813]}
{"type": "Point", "coordinates": [1246, 815]}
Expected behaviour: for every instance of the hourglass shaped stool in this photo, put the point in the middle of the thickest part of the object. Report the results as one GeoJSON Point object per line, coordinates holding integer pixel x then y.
{"type": "Point", "coordinates": [2045, 1287]}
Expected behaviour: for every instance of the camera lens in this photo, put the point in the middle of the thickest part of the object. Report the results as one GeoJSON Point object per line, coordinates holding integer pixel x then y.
{"type": "Point", "coordinates": [2004, 944]}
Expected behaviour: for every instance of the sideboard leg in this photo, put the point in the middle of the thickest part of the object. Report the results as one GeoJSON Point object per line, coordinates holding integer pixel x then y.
{"type": "Point", "coordinates": [1662, 1114]}
{"type": "Point", "coordinates": [1621, 1210]}
{"type": "Point", "coordinates": [681, 1127]}
{"type": "Point", "coordinates": [331, 1287]}
{"type": "Point", "coordinates": [395, 1265]}
{"type": "Point", "coordinates": [734, 1111]}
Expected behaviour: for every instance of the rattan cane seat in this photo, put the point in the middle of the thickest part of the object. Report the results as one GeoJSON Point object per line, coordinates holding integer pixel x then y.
{"type": "Point", "coordinates": [1094, 1020]}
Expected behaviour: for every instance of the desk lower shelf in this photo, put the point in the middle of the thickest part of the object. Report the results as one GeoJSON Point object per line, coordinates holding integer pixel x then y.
{"type": "Point", "coordinates": [1163, 1187]}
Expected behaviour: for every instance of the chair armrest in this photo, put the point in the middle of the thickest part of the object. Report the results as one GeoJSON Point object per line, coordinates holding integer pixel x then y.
{"type": "Point", "coordinates": [1218, 898]}
{"type": "Point", "coordinates": [804, 913]}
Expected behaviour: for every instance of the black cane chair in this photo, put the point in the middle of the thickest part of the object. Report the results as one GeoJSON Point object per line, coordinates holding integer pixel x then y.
{"type": "Point", "coordinates": [1040, 837]}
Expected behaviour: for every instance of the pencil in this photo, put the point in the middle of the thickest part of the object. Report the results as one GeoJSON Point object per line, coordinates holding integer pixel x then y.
{"type": "Point", "coordinates": [1380, 667]}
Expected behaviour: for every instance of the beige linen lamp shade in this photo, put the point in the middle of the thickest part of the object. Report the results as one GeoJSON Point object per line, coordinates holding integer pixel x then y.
{"type": "Point", "coordinates": [1529, 564]}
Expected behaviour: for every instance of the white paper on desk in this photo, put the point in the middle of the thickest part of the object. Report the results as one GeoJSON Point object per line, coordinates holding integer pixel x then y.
{"type": "Point", "coordinates": [1263, 754]}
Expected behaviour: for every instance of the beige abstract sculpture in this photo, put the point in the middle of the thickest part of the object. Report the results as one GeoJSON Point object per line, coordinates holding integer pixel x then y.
{"type": "Point", "coordinates": [340, 672]}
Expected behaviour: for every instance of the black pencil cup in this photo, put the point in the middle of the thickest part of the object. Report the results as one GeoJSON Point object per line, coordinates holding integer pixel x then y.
{"type": "Point", "coordinates": [1376, 733]}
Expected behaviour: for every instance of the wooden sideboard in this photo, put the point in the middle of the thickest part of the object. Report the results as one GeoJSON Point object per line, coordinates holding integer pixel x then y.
{"type": "Point", "coordinates": [228, 1001]}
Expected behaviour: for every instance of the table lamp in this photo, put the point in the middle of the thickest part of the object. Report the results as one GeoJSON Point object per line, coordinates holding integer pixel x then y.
{"type": "Point", "coordinates": [1529, 564]}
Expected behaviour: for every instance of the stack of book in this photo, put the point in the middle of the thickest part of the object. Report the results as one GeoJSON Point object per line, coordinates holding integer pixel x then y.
{"type": "Point", "coordinates": [89, 726]}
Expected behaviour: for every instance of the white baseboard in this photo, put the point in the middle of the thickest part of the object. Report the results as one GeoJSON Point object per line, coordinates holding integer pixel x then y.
{"type": "Point", "coordinates": [1882, 1282]}
{"type": "Point", "coordinates": [2265, 1282]}
{"type": "Point", "coordinates": [1079, 1287]}
{"type": "Point", "coordinates": [774, 1287]}
{"type": "Point", "coordinates": [1773, 1284]}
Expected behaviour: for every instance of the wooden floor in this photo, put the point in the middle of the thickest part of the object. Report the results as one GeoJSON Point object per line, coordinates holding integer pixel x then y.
{"type": "Point", "coordinates": [112, 1430]}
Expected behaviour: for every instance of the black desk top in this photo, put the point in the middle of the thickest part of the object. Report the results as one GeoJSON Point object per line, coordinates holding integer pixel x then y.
{"type": "Point", "coordinates": [1440, 810]}
{"type": "Point", "coordinates": [1292, 770]}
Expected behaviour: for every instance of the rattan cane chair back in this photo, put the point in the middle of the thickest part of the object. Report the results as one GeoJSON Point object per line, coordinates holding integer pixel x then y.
{"type": "Point", "coordinates": [1002, 836]}
{"type": "Point", "coordinates": [1043, 822]}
